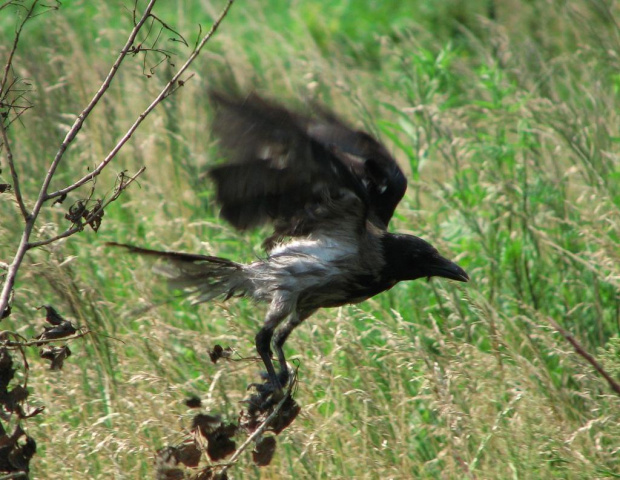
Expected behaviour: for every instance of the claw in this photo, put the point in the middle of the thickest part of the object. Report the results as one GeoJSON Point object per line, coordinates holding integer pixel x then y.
{"type": "Point", "coordinates": [282, 378]}
{"type": "Point", "coordinates": [265, 398]}
{"type": "Point", "coordinates": [266, 388]}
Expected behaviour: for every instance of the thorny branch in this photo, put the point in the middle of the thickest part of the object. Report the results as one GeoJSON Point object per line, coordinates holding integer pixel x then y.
{"type": "Point", "coordinates": [44, 196]}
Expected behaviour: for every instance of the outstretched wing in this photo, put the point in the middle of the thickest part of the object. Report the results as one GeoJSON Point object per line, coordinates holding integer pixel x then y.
{"type": "Point", "coordinates": [301, 173]}
{"type": "Point", "coordinates": [369, 160]}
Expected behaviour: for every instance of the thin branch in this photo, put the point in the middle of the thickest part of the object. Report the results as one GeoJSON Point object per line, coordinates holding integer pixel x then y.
{"type": "Point", "coordinates": [92, 216]}
{"type": "Point", "coordinates": [79, 121]}
{"type": "Point", "coordinates": [615, 386]}
{"type": "Point", "coordinates": [9, 63]}
{"type": "Point", "coordinates": [3, 94]}
{"type": "Point", "coordinates": [6, 4]}
{"type": "Point", "coordinates": [24, 245]}
{"type": "Point", "coordinates": [38, 343]}
{"type": "Point", "coordinates": [168, 27]}
{"type": "Point", "coordinates": [15, 475]}
{"type": "Point", "coordinates": [14, 176]}
{"type": "Point", "coordinates": [166, 91]}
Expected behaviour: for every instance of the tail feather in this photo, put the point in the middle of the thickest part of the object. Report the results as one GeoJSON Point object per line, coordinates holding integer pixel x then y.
{"type": "Point", "coordinates": [201, 277]}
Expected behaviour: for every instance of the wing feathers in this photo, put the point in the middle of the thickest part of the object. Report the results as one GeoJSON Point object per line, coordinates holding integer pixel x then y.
{"type": "Point", "coordinates": [294, 171]}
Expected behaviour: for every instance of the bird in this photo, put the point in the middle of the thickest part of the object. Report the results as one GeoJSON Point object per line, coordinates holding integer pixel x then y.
{"type": "Point", "coordinates": [329, 192]}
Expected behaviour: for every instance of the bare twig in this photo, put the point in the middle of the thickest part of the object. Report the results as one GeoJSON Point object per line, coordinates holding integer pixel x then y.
{"type": "Point", "coordinates": [92, 216]}
{"type": "Point", "coordinates": [18, 32]}
{"type": "Point", "coordinates": [9, 158]}
{"type": "Point", "coordinates": [6, 4]}
{"type": "Point", "coordinates": [37, 343]}
{"type": "Point", "coordinates": [15, 475]}
{"type": "Point", "coordinates": [165, 92]}
{"type": "Point", "coordinates": [615, 386]}
{"type": "Point", "coordinates": [3, 95]}
{"type": "Point", "coordinates": [12, 103]}
{"type": "Point", "coordinates": [169, 28]}
{"type": "Point", "coordinates": [24, 244]}
{"type": "Point", "coordinates": [79, 121]}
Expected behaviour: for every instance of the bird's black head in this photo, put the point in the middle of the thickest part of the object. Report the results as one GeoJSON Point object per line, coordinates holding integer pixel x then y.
{"type": "Point", "coordinates": [408, 258]}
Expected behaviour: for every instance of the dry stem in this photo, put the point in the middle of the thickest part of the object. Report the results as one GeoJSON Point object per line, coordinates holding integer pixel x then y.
{"type": "Point", "coordinates": [3, 96]}
{"type": "Point", "coordinates": [615, 386]}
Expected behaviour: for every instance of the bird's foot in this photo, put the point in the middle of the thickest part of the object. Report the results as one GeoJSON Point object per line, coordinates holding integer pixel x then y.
{"type": "Point", "coordinates": [270, 392]}
{"type": "Point", "coordinates": [271, 385]}
{"type": "Point", "coordinates": [264, 399]}
{"type": "Point", "coordinates": [283, 377]}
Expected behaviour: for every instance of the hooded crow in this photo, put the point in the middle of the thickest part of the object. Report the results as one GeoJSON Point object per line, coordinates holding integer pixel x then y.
{"type": "Point", "coordinates": [329, 192]}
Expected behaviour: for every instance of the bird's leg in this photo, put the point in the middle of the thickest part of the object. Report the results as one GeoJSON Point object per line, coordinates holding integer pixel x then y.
{"type": "Point", "coordinates": [278, 311]}
{"type": "Point", "coordinates": [263, 341]}
{"type": "Point", "coordinates": [280, 337]}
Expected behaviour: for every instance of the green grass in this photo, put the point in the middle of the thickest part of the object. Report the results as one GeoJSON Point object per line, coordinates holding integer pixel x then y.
{"type": "Point", "coordinates": [508, 129]}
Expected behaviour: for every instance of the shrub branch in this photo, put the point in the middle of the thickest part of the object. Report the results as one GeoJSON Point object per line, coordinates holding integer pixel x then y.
{"type": "Point", "coordinates": [168, 89]}
{"type": "Point", "coordinates": [43, 196]}
{"type": "Point", "coordinates": [15, 178]}
{"type": "Point", "coordinates": [6, 102]}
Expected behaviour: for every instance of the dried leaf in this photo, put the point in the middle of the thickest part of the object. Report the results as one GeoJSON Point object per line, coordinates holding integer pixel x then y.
{"type": "Point", "coordinates": [60, 199]}
{"type": "Point", "coordinates": [220, 446]}
{"type": "Point", "coordinates": [206, 423]}
{"type": "Point", "coordinates": [51, 315]}
{"type": "Point", "coordinates": [289, 411]}
{"type": "Point", "coordinates": [20, 456]}
{"type": "Point", "coordinates": [65, 329]}
{"type": "Point", "coordinates": [218, 435]}
{"type": "Point", "coordinates": [18, 394]}
{"type": "Point", "coordinates": [193, 402]}
{"type": "Point", "coordinates": [219, 352]}
{"type": "Point", "coordinates": [57, 355]}
{"type": "Point", "coordinates": [7, 372]}
{"type": "Point", "coordinates": [16, 456]}
{"type": "Point", "coordinates": [76, 211]}
{"type": "Point", "coordinates": [263, 451]}
{"type": "Point", "coordinates": [95, 222]}
{"type": "Point", "coordinates": [188, 454]}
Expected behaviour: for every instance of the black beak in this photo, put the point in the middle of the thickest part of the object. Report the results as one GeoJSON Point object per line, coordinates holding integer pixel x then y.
{"type": "Point", "coordinates": [447, 269]}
